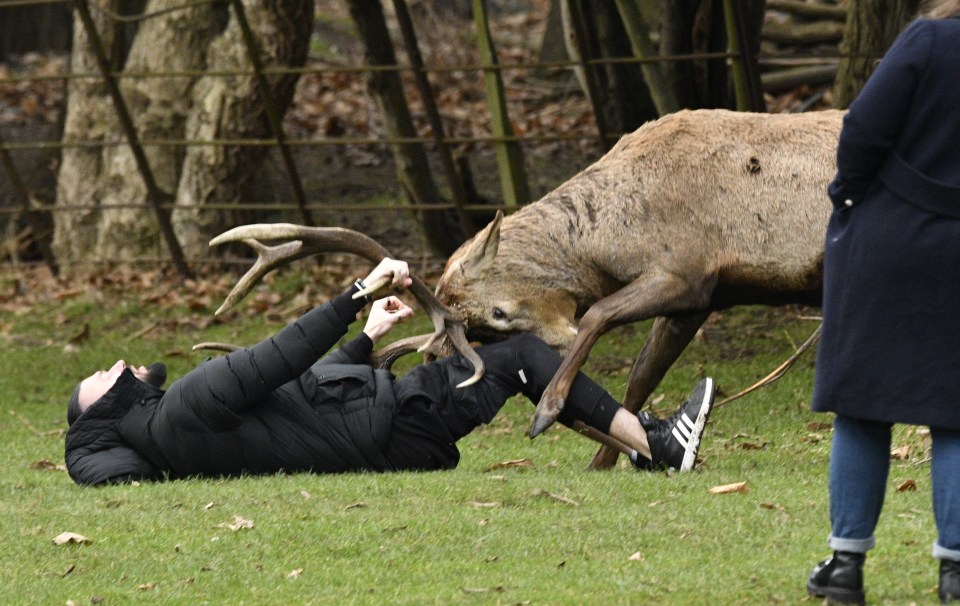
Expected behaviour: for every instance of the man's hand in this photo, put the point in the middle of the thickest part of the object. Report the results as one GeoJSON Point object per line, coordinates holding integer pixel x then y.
{"type": "Point", "coordinates": [398, 273]}
{"type": "Point", "coordinates": [384, 315]}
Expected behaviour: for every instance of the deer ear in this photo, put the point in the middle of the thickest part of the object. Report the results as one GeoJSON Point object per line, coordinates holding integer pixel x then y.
{"type": "Point", "coordinates": [481, 251]}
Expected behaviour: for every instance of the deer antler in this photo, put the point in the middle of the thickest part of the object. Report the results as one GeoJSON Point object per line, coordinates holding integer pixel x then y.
{"type": "Point", "coordinates": [305, 241]}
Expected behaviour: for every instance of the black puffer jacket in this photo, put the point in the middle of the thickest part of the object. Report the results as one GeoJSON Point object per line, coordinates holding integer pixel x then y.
{"type": "Point", "coordinates": [254, 411]}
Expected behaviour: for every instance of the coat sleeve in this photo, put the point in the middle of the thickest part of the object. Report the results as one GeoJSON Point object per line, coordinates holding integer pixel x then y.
{"type": "Point", "coordinates": [357, 351]}
{"type": "Point", "coordinates": [217, 391]}
{"type": "Point", "coordinates": [873, 124]}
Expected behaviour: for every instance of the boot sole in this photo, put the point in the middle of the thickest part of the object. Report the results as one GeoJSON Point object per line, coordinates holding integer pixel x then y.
{"type": "Point", "coordinates": [837, 596]}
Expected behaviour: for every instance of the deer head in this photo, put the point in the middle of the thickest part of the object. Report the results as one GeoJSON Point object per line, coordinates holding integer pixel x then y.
{"type": "Point", "coordinates": [301, 241]}
{"type": "Point", "coordinates": [469, 285]}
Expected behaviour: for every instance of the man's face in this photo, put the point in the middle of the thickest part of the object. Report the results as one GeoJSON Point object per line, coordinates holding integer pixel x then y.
{"type": "Point", "coordinates": [93, 387]}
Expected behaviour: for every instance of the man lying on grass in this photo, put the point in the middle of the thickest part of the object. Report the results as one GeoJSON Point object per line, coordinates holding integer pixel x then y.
{"type": "Point", "coordinates": [275, 408]}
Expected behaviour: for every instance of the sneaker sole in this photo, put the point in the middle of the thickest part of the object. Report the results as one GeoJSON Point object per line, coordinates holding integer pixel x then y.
{"type": "Point", "coordinates": [693, 442]}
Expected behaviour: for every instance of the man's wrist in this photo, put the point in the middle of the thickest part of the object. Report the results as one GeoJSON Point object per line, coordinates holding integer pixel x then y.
{"type": "Point", "coordinates": [359, 285]}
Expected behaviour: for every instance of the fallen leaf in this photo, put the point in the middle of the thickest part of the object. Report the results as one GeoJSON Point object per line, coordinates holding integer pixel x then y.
{"type": "Point", "coordinates": [819, 426]}
{"type": "Point", "coordinates": [901, 453]}
{"type": "Point", "coordinates": [908, 485]}
{"type": "Point", "coordinates": [555, 497]}
{"type": "Point", "coordinates": [730, 488]}
{"type": "Point", "coordinates": [238, 523]}
{"type": "Point", "coordinates": [767, 506]}
{"type": "Point", "coordinates": [146, 586]}
{"type": "Point", "coordinates": [635, 557]}
{"type": "Point", "coordinates": [70, 537]}
{"type": "Point", "coordinates": [208, 506]}
{"type": "Point", "coordinates": [295, 573]}
{"type": "Point", "coordinates": [357, 505]}
{"type": "Point", "coordinates": [488, 505]}
{"type": "Point", "coordinates": [514, 463]}
{"type": "Point", "coordinates": [47, 465]}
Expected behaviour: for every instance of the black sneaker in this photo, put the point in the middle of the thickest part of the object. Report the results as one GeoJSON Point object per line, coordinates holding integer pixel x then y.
{"type": "Point", "coordinates": [674, 442]}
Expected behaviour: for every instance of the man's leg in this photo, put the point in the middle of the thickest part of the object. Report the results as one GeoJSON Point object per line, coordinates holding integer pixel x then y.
{"type": "Point", "coordinates": [525, 364]}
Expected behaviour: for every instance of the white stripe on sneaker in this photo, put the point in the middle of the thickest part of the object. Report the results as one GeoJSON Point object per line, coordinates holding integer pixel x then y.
{"type": "Point", "coordinates": [696, 429]}
{"type": "Point", "coordinates": [684, 429]}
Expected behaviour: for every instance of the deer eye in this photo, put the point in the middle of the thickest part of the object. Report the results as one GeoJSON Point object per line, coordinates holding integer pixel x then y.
{"type": "Point", "coordinates": [499, 314]}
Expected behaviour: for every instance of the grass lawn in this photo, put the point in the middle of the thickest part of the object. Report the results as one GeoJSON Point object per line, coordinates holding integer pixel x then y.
{"type": "Point", "coordinates": [543, 532]}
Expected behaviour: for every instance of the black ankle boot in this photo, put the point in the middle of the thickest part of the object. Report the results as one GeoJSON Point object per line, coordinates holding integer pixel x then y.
{"type": "Point", "coordinates": [839, 579]}
{"type": "Point", "coordinates": [949, 581]}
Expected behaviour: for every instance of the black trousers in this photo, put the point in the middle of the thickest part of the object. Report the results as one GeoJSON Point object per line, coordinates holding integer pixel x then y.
{"type": "Point", "coordinates": [434, 413]}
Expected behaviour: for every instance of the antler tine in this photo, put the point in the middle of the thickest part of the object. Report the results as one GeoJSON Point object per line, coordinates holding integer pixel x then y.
{"type": "Point", "coordinates": [312, 240]}
{"type": "Point", "coordinates": [268, 259]}
{"type": "Point", "coordinates": [305, 241]}
{"type": "Point", "coordinates": [387, 355]}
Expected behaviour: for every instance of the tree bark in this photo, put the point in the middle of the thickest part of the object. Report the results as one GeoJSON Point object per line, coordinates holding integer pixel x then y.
{"type": "Point", "coordinates": [696, 27]}
{"type": "Point", "coordinates": [871, 27]}
{"type": "Point", "coordinates": [104, 181]}
{"type": "Point", "coordinates": [617, 91]}
{"type": "Point", "coordinates": [232, 107]}
{"type": "Point", "coordinates": [441, 230]}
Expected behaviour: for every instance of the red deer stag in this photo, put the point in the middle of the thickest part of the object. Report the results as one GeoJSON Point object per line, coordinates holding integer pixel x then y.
{"type": "Point", "coordinates": [697, 211]}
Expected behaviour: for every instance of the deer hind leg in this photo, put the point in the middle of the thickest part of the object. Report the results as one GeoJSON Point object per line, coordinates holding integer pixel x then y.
{"type": "Point", "coordinates": [668, 339]}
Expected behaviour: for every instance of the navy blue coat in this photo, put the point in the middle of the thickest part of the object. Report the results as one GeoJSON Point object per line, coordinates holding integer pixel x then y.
{"type": "Point", "coordinates": [263, 410]}
{"type": "Point", "coordinates": [890, 347]}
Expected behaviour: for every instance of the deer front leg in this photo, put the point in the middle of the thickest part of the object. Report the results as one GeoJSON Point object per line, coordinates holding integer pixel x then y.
{"type": "Point", "coordinates": [667, 339]}
{"type": "Point", "coordinates": [660, 294]}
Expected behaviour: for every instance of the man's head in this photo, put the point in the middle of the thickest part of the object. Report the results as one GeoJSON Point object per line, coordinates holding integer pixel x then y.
{"type": "Point", "coordinates": [91, 389]}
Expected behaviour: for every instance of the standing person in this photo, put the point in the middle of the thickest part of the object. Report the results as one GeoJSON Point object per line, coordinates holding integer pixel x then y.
{"type": "Point", "coordinates": [890, 348]}
{"type": "Point", "coordinates": [275, 408]}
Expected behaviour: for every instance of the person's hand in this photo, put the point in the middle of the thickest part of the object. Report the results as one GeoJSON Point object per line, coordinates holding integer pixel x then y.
{"type": "Point", "coordinates": [384, 315]}
{"type": "Point", "coordinates": [394, 270]}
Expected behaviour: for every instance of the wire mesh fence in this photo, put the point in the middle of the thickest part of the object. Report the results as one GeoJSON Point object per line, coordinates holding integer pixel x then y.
{"type": "Point", "coordinates": [327, 156]}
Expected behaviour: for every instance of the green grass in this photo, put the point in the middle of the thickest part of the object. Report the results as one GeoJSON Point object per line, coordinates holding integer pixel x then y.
{"type": "Point", "coordinates": [478, 535]}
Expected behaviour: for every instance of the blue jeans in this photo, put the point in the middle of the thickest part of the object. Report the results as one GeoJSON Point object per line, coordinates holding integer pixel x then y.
{"type": "Point", "coordinates": [859, 464]}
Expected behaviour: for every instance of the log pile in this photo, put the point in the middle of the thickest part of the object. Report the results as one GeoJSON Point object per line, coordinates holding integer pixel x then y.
{"type": "Point", "coordinates": [800, 43]}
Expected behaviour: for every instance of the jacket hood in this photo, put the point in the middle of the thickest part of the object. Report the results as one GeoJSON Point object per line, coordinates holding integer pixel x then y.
{"type": "Point", "coordinates": [156, 376]}
{"type": "Point", "coordinates": [103, 414]}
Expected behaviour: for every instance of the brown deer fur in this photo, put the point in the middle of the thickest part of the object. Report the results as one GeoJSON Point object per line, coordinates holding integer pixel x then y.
{"type": "Point", "coordinates": [697, 211]}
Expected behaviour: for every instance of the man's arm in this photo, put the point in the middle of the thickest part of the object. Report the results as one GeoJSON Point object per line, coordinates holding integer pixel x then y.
{"type": "Point", "coordinates": [385, 314]}
{"type": "Point", "coordinates": [216, 391]}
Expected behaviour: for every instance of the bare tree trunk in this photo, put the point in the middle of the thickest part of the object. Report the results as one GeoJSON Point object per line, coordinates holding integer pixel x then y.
{"type": "Point", "coordinates": [105, 181]}
{"type": "Point", "coordinates": [696, 27]}
{"type": "Point", "coordinates": [442, 231]}
{"type": "Point", "coordinates": [233, 108]}
{"type": "Point", "coordinates": [88, 117]}
{"type": "Point", "coordinates": [872, 26]}
{"type": "Point", "coordinates": [618, 90]}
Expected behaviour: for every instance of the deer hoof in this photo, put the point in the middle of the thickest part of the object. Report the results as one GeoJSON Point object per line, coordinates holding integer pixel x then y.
{"type": "Point", "coordinates": [540, 425]}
